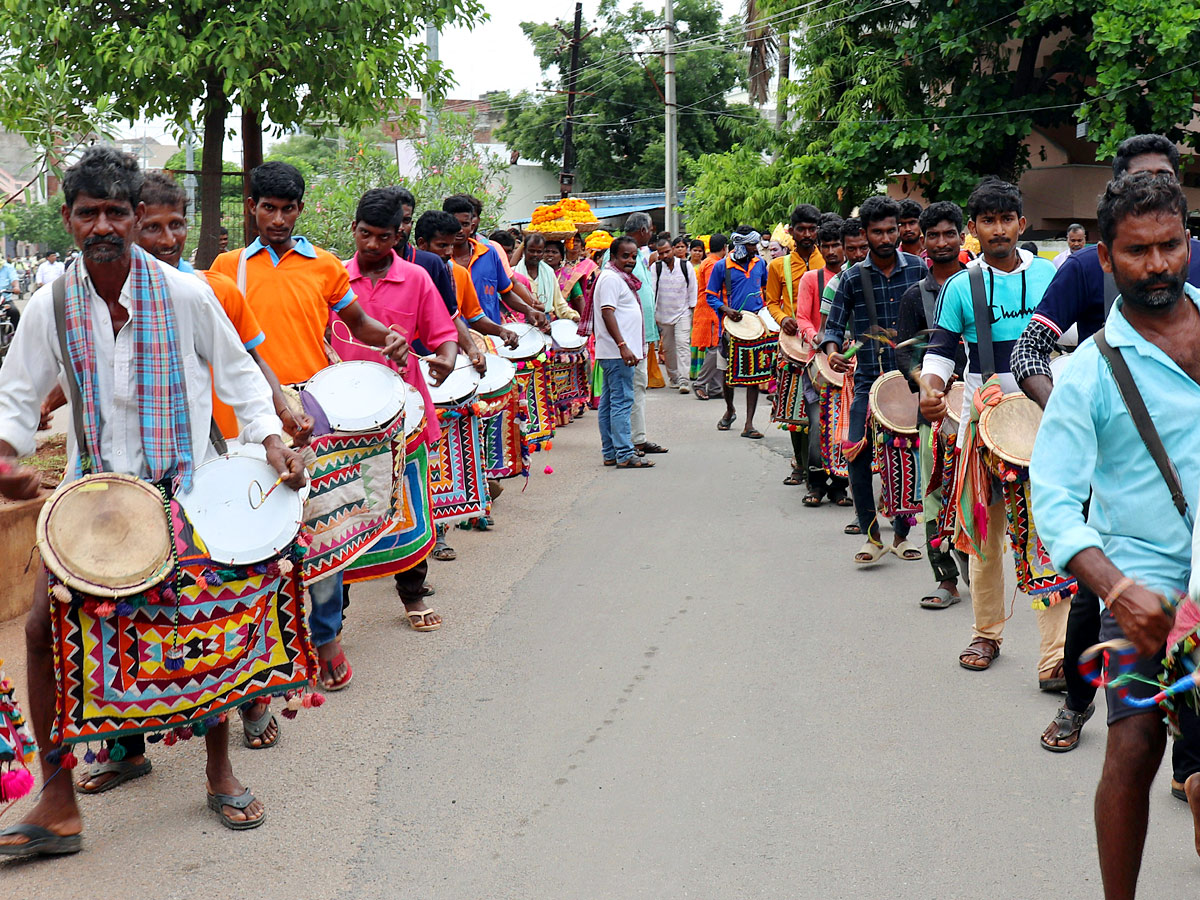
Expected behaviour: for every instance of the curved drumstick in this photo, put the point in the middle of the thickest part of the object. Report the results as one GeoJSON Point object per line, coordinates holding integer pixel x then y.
{"type": "Point", "coordinates": [262, 496]}
{"type": "Point", "coordinates": [1119, 654]}
{"type": "Point", "coordinates": [349, 338]}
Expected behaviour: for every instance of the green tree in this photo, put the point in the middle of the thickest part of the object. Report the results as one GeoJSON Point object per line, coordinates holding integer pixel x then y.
{"type": "Point", "coordinates": [231, 182]}
{"type": "Point", "coordinates": [39, 223]}
{"type": "Point", "coordinates": [295, 61]}
{"type": "Point", "coordinates": [619, 108]}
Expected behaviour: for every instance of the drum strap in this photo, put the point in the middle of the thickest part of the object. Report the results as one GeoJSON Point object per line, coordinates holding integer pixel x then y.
{"type": "Point", "coordinates": [787, 280]}
{"type": "Point", "coordinates": [868, 289]}
{"type": "Point", "coordinates": [1110, 292]}
{"type": "Point", "coordinates": [1136, 407]}
{"type": "Point", "coordinates": [59, 295]}
{"type": "Point", "coordinates": [983, 323]}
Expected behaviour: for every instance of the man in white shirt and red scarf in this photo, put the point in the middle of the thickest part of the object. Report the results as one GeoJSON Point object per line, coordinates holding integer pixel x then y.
{"type": "Point", "coordinates": [140, 338]}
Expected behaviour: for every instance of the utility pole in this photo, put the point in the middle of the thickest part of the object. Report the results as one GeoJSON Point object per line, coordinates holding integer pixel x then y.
{"type": "Point", "coordinates": [672, 136]}
{"type": "Point", "coordinates": [566, 178]}
{"type": "Point", "coordinates": [189, 180]}
{"type": "Point", "coordinates": [433, 51]}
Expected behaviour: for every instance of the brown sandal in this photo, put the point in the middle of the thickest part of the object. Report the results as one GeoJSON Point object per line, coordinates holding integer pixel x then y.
{"type": "Point", "coordinates": [983, 649]}
{"type": "Point", "coordinates": [1067, 725]}
{"type": "Point", "coordinates": [1055, 681]}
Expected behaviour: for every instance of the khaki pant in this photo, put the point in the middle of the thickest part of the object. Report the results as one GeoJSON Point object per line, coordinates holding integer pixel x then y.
{"type": "Point", "coordinates": [990, 603]}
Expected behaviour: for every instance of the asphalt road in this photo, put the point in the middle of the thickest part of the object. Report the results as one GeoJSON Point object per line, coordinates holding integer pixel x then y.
{"type": "Point", "coordinates": [661, 684]}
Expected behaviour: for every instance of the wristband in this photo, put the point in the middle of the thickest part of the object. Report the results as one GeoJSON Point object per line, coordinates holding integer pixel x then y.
{"type": "Point", "coordinates": [620, 343]}
{"type": "Point", "coordinates": [6, 468]}
{"type": "Point", "coordinates": [1117, 590]}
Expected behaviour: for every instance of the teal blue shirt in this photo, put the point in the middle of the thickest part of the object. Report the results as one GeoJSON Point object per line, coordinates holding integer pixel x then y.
{"type": "Point", "coordinates": [1087, 444]}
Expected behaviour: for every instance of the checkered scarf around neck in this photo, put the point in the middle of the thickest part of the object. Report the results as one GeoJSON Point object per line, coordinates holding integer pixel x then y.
{"type": "Point", "coordinates": [157, 364]}
{"type": "Point", "coordinates": [635, 284]}
{"type": "Point", "coordinates": [743, 244]}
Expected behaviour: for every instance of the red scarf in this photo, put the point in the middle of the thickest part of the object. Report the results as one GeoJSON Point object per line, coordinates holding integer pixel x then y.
{"type": "Point", "coordinates": [635, 284]}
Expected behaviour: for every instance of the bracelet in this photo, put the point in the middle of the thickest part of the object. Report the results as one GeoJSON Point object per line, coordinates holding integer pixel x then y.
{"type": "Point", "coordinates": [1117, 590]}
{"type": "Point", "coordinates": [6, 468]}
{"type": "Point", "coordinates": [621, 343]}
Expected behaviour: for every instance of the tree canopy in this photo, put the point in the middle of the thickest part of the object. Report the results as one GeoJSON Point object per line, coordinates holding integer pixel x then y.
{"type": "Point", "coordinates": [619, 109]}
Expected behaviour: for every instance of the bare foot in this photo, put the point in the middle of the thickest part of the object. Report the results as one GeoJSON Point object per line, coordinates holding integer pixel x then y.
{"type": "Point", "coordinates": [1191, 787]}
{"type": "Point", "coordinates": [52, 814]}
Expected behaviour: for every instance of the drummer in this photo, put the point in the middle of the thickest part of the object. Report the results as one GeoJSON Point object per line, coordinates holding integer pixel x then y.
{"type": "Point", "coordinates": [748, 277]}
{"type": "Point", "coordinates": [403, 296]}
{"type": "Point", "coordinates": [143, 324]}
{"type": "Point", "coordinates": [941, 225]}
{"type": "Point", "coordinates": [1014, 281]}
{"type": "Point", "coordinates": [892, 272]}
{"type": "Point", "coordinates": [293, 287]}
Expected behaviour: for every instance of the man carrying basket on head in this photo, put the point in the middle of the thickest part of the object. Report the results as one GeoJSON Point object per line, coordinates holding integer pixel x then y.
{"type": "Point", "coordinates": [139, 337]}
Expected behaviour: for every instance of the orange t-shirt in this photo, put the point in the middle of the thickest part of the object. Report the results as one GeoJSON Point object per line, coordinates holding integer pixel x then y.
{"type": "Point", "coordinates": [464, 289]}
{"type": "Point", "coordinates": [705, 327]}
{"type": "Point", "coordinates": [248, 330]}
{"type": "Point", "coordinates": [292, 296]}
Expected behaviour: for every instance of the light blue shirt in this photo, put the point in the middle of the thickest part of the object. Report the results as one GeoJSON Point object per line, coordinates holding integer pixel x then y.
{"type": "Point", "coordinates": [8, 274]}
{"type": "Point", "coordinates": [1087, 443]}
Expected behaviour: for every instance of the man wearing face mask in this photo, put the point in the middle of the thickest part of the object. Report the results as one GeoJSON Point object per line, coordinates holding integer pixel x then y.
{"type": "Point", "coordinates": [1134, 548]}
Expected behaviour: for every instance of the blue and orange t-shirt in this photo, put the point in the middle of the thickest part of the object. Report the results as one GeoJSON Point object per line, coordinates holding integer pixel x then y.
{"type": "Point", "coordinates": [489, 277]}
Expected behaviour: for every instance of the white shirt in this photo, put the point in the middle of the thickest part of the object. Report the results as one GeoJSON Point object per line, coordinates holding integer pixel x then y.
{"type": "Point", "coordinates": [611, 291]}
{"type": "Point", "coordinates": [674, 291]}
{"type": "Point", "coordinates": [1061, 258]}
{"type": "Point", "coordinates": [206, 337]}
{"type": "Point", "coordinates": [48, 271]}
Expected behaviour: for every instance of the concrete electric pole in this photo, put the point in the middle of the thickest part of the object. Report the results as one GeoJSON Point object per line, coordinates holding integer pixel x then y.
{"type": "Point", "coordinates": [672, 136]}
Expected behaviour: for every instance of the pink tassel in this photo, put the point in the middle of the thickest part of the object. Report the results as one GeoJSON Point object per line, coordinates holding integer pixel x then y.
{"type": "Point", "coordinates": [935, 543]}
{"type": "Point", "coordinates": [15, 784]}
{"type": "Point", "coordinates": [549, 470]}
{"type": "Point", "coordinates": [981, 518]}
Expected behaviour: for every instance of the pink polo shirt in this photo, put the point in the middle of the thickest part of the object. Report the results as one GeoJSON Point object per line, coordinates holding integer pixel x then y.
{"type": "Point", "coordinates": [406, 300]}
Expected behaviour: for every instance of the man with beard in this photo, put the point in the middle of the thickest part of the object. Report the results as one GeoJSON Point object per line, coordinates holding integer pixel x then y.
{"type": "Point", "coordinates": [1076, 241]}
{"type": "Point", "coordinates": [911, 239]}
{"type": "Point", "coordinates": [407, 250]}
{"type": "Point", "coordinates": [854, 251]}
{"type": "Point", "coordinates": [869, 306]}
{"type": "Point", "coordinates": [941, 226]}
{"type": "Point", "coordinates": [1013, 283]}
{"type": "Point", "coordinates": [1078, 299]}
{"type": "Point", "coordinates": [1134, 548]}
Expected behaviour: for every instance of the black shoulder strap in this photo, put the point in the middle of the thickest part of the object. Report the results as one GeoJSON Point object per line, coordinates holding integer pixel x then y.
{"type": "Point", "coordinates": [820, 282]}
{"type": "Point", "coordinates": [687, 278]}
{"type": "Point", "coordinates": [868, 289]}
{"type": "Point", "coordinates": [1110, 292]}
{"type": "Point", "coordinates": [728, 284]}
{"type": "Point", "coordinates": [983, 323]}
{"type": "Point", "coordinates": [1142, 421]}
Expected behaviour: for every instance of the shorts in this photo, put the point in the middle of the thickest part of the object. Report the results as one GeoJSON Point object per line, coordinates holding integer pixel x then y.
{"type": "Point", "coordinates": [1150, 667]}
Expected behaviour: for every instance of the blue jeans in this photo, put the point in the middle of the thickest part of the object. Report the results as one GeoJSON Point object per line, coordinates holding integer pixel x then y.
{"type": "Point", "coordinates": [616, 410]}
{"type": "Point", "coordinates": [325, 617]}
{"type": "Point", "coordinates": [862, 487]}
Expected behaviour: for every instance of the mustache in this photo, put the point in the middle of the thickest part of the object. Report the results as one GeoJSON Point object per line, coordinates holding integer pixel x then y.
{"type": "Point", "coordinates": [99, 240]}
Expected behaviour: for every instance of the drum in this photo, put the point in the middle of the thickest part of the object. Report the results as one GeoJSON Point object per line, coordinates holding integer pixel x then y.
{"type": "Point", "coordinates": [106, 535]}
{"type": "Point", "coordinates": [238, 512]}
{"type": "Point", "coordinates": [795, 349]}
{"type": "Point", "coordinates": [566, 336]}
{"type": "Point", "coordinates": [823, 375]}
{"type": "Point", "coordinates": [458, 388]}
{"type": "Point", "coordinates": [358, 396]}
{"type": "Point", "coordinates": [836, 393]}
{"type": "Point", "coordinates": [533, 379]}
{"type": "Point", "coordinates": [894, 408]}
{"type": "Point", "coordinates": [789, 408]}
{"type": "Point", "coordinates": [1007, 431]}
{"type": "Point", "coordinates": [751, 352]}
{"type": "Point", "coordinates": [531, 343]}
{"type": "Point", "coordinates": [749, 328]}
{"type": "Point", "coordinates": [457, 486]}
{"type": "Point", "coordinates": [768, 321]}
{"type": "Point", "coordinates": [1058, 365]}
{"type": "Point", "coordinates": [504, 450]}
{"type": "Point", "coordinates": [955, 398]}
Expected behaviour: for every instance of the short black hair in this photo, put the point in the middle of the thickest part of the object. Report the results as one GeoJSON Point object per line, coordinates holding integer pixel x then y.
{"type": "Point", "coordinates": [1138, 195]}
{"type": "Point", "coordinates": [851, 227]}
{"type": "Point", "coordinates": [223, 230]}
{"type": "Point", "coordinates": [717, 242]}
{"type": "Point", "coordinates": [276, 179]}
{"type": "Point", "coordinates": [379, 208]}
{"type": "Point", "coordinates": [681, 240]}
{"type": "Point", "coordinates": [617, 242]}
{"type": "Point", "coordinates": [806, 214]}
{"type": "Point", "coordinates": [458, 203]}
{"type": "Point", "coordinates": [504, 239]}
{"type": "Point", "coordinates": [696, 243]}
{"type": "Point", "coordinates": [994, 195]}
{"type": "Point", "coordinates": [876, 209]}
{"type": "Point", "coordinates": [534, 237]}
{"type": "Point", "coordinates": [160, 189]}
{"type": "Point", "coordinates": [434, 222]}
{"type": "Point", "coordinates": [1031, 247]}
{"type": "Point", "coordinates": [909, 209]}
{"type": "Point", "coordinates": [1140, 144]}
{"type": "Point", "coordinates": [827, 218]}
{"type": "Point", "coordinates": [557, 245]}
{"type": "Point", "coordinates": [476, 204]}
{"type": "Point", "coordinates": [829, 233]}
{"type": "Point", "coordinates": [942, 211]}
{"type": "Point", "coordinates": [104, 173]}
{"type": "Point", "coordinates": [405, 195]}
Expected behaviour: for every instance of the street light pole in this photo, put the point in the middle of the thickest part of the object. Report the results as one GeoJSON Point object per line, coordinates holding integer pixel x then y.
{"type": "Point", "coordinates": [672, 136]}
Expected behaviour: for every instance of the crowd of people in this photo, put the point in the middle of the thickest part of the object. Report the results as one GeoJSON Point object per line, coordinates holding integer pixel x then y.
{"type": "Point", "coordinates": [856, 330]}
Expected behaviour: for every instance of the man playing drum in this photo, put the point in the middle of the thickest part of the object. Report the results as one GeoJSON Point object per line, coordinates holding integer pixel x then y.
{"type": "Point", "coordinates": [293, 287]}
{"type": "Point", "coordinates": [870, 305]}
{"type": "Point", "coordinates": [1012, 282]}
{"type": "Point", "coordinates": [1135, 547]}
{"type": "Point", "coordinates": [142, 336]}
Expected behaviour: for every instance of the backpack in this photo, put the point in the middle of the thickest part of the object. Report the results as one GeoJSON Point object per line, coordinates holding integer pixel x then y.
{"type": "Point", "coordinates": [658, 267]}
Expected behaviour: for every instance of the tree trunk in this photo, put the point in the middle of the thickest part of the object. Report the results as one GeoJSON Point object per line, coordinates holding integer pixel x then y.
{"type": "Point", "coordinates": [252, 157]}
{"type": "Point", "coordinates": [216, 108]}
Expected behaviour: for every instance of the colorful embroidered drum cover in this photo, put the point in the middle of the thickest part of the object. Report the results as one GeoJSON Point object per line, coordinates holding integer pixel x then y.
{"type": "Point", "coordinates": [751, 362]}
{"type": "Point", "coordinates": [789, 409]}
{"type": "Point", "coordinates": [835, 415]}
{"type": "Point", "coordinates": [1036, 575]}
{"type": "Point", "coordinates": [568, 378]}
{"type": "Point", "coordinates": [534, 382]}
{"type": "Point", "coordinates": [506, 455]}
{"type": "Point", "coordinates": [456, 480]}
{"type": "Point", "coordinates": [241, 632]}
{"type": "Point", "coordinates": [356, 494]}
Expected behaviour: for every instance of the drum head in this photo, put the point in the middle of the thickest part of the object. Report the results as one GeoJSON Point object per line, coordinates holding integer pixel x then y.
{"type": "Point", "coordinates": [566, 334]}
{"type": "Point", "coordinates": [221, 504]}
{"type": "Point", "coordinates": [483, 342]}
{"type": "Point", "coordinates": [894, 404]}
{"type": "Point", "coordinates": [530, 342]}
{"type": "Point", "coordinates": [794, 347]}
{"type": "Point", "coordinates": [460, 385]}
{"type": "Point", "coordinates": [1008, 429]}
{"type": "Point", "coordinates": [821, 372]}
{"type": "Point", "coordinates": [954, 402]}
{"type": "Point", "coordinates": [106, 535]}
{"type": "Point", "coordinates": [499, 376]}
{"type": "Point", "coordinates": [414, 413]}
{"type": "Point", "coordinates": [768, 320]}
{"type": "Point", "coordinates": [358, 396]}
{"type": "Point", "coordinates": [750, 328]}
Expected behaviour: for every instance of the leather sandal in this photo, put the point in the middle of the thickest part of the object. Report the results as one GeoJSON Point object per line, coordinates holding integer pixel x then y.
{"type": "Point", "coordinates": [983, 649]}
{"type": "Point", "coordinates": [1055, 681]}
{"type": "Point", "coordinates": [1067, 725]}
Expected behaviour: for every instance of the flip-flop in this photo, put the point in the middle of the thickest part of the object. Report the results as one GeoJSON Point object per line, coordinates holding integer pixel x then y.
{"type": "Point", "coordinates": [327, 667]}
{"type": "Point", "coordinates": [812, 500]}
{"type": "Point", "coordinates": [795, 478]}
{"type": "Point", "coordinates": [907, 551]}
{"type": "Point", "coordinates": [240, 801]}
{"type": "Point", "coordinates": [726, 422]}
{"type": "Point", "coordinates": [419, 616]}
{"type": "Point", "coordinates": [443, 551]}
{"type": "Point", "coordinates": [843, 501]}
{"type": "Point", "coordinates": [875, 551]}
{"type": "Point", "coordinates": [940, 599]}
{"type": "Point", "coordinates": [635, 462]}
{"type": "Point", "coordinates": [124, 771]}
{"type": "Point", "coordinates": [852, 528]}
{"type": "Point", "coordinates": [753, 434]}
{"type": "Point", "coordinates": [42, 841]}
{"type": "Point", "coordinates": [255, 728]}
